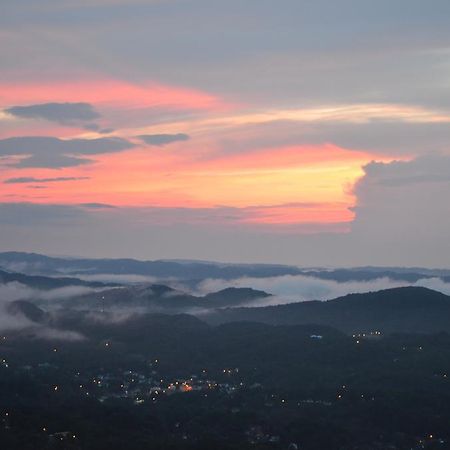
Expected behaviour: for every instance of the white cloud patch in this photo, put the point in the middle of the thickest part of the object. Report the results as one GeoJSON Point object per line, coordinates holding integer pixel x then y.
{"type": "Point", "coordinates": [9, 321]}
{"type": "Point", "coordinates": [10, 292]}
{"type": "Point", "coordinates": [53, 334]}
{"type": "Point", "coordinates": [115, 278]}
{"type": "Point", "coordinates": [297, 288]}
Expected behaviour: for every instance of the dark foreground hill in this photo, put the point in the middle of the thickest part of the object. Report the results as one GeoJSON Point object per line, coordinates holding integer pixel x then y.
{"type": "Point", "coordinates": [120, 378]}
{"type": "Point", "coordinates": [399, 310]}
{"type": "Point", "coordinates": [172, 382]}
{"type": "Point", "coordinates": [409, 309]}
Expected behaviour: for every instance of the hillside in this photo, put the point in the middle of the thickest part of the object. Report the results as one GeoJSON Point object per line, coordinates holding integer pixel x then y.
{"type": "Point", "coordinates": [157, 297]}
{"type": "Point", "coordinates": [409, 309]}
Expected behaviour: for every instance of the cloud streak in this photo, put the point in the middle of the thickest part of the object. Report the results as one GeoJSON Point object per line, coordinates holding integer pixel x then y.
{"type": "Point", "coordinates": [25, 180]}
{"type": "Point", "coordinates": [163, 139]}
{"type": "Point", "coordinates": [63, 113]}
{"type": "Point", "coordinates": [51, 152]}
{"type": "Point", "coordinates": [291, 217]}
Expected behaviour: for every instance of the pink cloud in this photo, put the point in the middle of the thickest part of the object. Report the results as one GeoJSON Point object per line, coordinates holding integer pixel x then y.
{"type": "Point", "coordinates": [109, 93]}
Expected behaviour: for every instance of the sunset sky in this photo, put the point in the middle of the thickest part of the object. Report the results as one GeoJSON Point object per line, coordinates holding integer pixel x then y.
{"type": "Point", "coordinates": [304, 132]}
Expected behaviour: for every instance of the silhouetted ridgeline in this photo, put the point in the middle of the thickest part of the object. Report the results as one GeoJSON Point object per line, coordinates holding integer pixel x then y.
{"type": "Point", "coordinates": [32, 263]}
{"type": "Point", "coordinates": [45, 283]}
{"type": "Point", "coordinates": [409, 309]}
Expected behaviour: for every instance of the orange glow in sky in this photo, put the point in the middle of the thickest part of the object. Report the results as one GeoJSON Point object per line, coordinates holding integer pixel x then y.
{"type": "Point", "coordinates": [108, 93]}
{"type": "Point", "coordinates": [297, 184]}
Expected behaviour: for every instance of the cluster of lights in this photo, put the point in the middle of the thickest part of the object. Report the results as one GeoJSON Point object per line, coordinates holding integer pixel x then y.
{"type": "Point", "coordinates": [230, 371]}
{"type": "Point", "coordinates": [372, 333]}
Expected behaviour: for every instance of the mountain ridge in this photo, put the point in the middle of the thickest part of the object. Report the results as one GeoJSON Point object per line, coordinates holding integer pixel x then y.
{"type": "Point", "coordinates": [407, 309]}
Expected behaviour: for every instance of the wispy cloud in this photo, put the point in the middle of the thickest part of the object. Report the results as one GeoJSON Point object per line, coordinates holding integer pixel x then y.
{"type": "Point", "coordinates": [163, 139]}
{"type": "Point", "coordinates": [63, 113]}
{"type": "Point", "coordinates": [25, 180]}
{"type": "Point", "coordinates": [51, 152]}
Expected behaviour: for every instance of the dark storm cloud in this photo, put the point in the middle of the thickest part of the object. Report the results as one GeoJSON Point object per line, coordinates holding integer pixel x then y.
{"type": "Point", "coordinates": [23, 180]}
{"type": "Point", "coordinates": [163, 139]}
{"type": "Point", "coordinates": [52, 152]}
{"type": "Point", "coordinates": [64, 113]}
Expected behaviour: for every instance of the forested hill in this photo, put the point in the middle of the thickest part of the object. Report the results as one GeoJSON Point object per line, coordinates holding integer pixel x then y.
{"type": "Point", "coordinates": [408, 309]}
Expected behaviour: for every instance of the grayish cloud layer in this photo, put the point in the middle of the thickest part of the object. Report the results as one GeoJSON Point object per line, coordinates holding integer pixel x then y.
{"type": "Point", "coordinates": [297, 52]}
{"type": "Point", "coordinates": [64, 113]}
{"type": "Point", "coordinates": [25, 180]}
{"type": "Point", "coordinates": [382, 137]}
{"type": "Point", "coordinates": [50, 152]}
{"type": "Point", "coordinates": [163, 139]}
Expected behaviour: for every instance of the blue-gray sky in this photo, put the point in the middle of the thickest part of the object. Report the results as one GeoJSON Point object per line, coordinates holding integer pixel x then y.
{"type": "Point", "coordinates": [308, 132]}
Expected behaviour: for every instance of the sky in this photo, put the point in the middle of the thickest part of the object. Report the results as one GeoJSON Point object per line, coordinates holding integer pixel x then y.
{"type": "Point", "coordinates": [301, 132]}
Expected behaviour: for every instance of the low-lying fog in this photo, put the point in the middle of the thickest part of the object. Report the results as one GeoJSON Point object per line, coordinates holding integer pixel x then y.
{"type": "Point", "coordinates": [295, 288]}
{"type": "Point", "coordinates": [284, 289]}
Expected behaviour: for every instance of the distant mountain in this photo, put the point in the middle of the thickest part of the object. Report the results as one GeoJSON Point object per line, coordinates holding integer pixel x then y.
{"type": "Point", "coordinates": [234, 296]}
{"type": "Point", "coordinates": [45, 283]}
{"type": "Point", "coordinates": [157, 297]}
{"type": "Point", "coordinates": [346, 275]}
{"type": "Point", "coordinates": [193, 272]}
{"type": "Point", "coordinates": [409, 309]}
{"type": "Point", "coordinates": [421, 270]}
{"type": "Point", "coordinates": [39, 264]}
